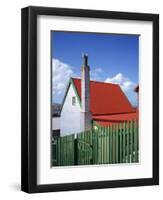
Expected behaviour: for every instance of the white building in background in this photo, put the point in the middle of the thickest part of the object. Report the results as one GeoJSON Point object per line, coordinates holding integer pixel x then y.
{"type": "Point", "coordinates": [56, 123]}
{"type": "Point", "coordinates": [56, 120]}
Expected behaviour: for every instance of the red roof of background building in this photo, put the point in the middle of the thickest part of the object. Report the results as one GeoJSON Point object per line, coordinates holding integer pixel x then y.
{"type": "Point", "coordinates": [105, 98]}
{"type": "Point", "coordinates": [106, 120]}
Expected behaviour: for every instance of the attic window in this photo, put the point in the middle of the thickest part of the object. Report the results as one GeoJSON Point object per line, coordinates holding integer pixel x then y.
{"type": "Point", "coordinates": [73, 101]}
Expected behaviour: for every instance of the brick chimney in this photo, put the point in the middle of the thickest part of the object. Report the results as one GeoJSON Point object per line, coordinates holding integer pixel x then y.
{"type": "Point", "coordinates": [86, 117]}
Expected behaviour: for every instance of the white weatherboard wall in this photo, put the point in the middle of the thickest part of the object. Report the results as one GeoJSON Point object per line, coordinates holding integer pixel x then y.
{"type": "Point", "coordinates": [55, 123]}
{"type": "Point", "coordinates": [70, 114]}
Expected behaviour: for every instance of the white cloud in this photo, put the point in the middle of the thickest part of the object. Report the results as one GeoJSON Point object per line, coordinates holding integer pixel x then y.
{"type": "Point", "coordinates": [125, 83]}
{"type": "Point", "coordinates": [98, 70]}
{"type": "Point", "coordinates": [61, 73]}
{"type": "Point", "coordinates": [95, 73]}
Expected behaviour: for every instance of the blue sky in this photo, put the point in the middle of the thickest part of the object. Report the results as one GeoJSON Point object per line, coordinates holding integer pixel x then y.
{"type": "Point", "coordinates": [112, 58]}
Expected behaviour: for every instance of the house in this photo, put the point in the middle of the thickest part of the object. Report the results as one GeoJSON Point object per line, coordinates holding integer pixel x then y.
{"type": "Point", "coordinates": [88, 101]}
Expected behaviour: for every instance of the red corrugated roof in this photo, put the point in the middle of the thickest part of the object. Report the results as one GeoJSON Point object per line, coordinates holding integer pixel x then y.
{"type": "Point", "coordinates": [105, 98]}
{"type": "Point", "coordinates": [116, 118]}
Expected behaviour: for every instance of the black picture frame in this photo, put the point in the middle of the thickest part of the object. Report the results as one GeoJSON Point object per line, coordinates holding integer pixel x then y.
{"type": "Point", "coordinates": [29, 99]}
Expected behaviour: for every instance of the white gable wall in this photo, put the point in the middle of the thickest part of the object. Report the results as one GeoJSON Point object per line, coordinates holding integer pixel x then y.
{"type": "Point", "coordinates": [70, 115]}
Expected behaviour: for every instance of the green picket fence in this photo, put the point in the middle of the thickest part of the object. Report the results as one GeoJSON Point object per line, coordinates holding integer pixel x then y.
{"type": "Point", "coordinates": [117, 143]}
{"type": "Point", "coordinates": [85, 148]}
{"type": "Point", "coordinates": [63, 151]}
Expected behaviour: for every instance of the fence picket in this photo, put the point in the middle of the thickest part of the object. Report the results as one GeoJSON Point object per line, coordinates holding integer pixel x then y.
{"type": "Point", "coordinates": [94, 146]}
{"type": "Point", "coordinates": [59, 153]}
{"type": "Point", "coordinates": [102, 145]}
{"type": "Point", "coordinates": [99, 146]}
{"type": "Point", "coordinates": [85, 149]}
{"type": "Point", "coordinates": [136, 141]}
{"type": "Point", "coordinates": [124, 145]}
{"type": "Point", "coordinates": [114, 144]}
{"type": "Point", "coordinates": [131, 141]}
{"type": "Point", "coordinates": [105, 141]}
{"type": "Point", "coordinates": [107, 144]}
{"type": "Point", "coordinates": [137, 132]}
{"type": "Point", "coordinates": [117, 144]}
{"type": "Point", "coordinates": [120, 138]}
{"type": "Point", "coordinates": [110, 144]}
{"type": "Point", "coordinates": [127, 143]}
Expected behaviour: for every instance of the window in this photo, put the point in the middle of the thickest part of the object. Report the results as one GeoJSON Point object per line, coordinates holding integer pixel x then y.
{"type": "Point", "coordinates": [73, 101]}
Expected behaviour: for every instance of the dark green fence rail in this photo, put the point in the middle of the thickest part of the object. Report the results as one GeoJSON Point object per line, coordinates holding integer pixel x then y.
{"type": "Point", "coordinates": [102, 145]}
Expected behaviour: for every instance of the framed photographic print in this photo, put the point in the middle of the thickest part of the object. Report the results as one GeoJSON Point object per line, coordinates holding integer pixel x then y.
{"type": "Point", "coordinates": [90, 99]}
